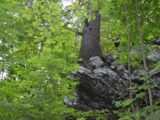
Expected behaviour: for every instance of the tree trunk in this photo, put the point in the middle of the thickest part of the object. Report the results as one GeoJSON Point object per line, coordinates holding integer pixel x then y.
{"type": "Point", "coordinates": [90, 45]}
{"type": "Point", "coordinates": [142, 50]}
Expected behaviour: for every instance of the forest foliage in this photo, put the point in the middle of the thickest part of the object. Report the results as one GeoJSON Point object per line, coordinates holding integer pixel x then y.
{"type": "Point", "coordinates": [37, 53]}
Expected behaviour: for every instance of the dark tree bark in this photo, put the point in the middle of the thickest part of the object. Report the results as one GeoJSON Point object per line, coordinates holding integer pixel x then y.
{"type": "Point", "coordinates": [90, 45]}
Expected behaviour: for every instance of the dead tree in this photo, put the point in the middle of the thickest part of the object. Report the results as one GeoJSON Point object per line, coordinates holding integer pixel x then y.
{"type": "Point", "coordinates": [90, 45]}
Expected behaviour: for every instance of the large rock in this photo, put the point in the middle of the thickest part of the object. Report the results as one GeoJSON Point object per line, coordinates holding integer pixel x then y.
{"type": "Point", "coordinates": [106, 82]}
{"type": "Point", "coordinates": [156, 41]}
{"type": "Point", "coordinates": [100, 86]}
{"type": "Point", "coordinates": [154, 54]}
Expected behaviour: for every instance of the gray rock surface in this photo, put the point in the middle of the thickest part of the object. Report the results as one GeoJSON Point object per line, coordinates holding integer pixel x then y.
{"type": "Point", "coordinates": [154, 54]}
{"type": "Point", "coordinates": [106, 82]}
{"type": "Point", "coordinates": [156, 41]}
{"type": "Point", "coordinates": [84, 70]}
{"type": "Point", "coordinates": [96, 61]}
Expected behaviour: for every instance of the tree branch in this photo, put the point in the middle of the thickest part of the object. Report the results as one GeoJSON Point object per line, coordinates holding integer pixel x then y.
{"type": "Point", "coordinates": [79, 33]}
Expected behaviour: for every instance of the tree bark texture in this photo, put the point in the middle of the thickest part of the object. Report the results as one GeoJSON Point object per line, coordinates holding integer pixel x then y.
{"type": "Point", "coordinates": [90, 45]}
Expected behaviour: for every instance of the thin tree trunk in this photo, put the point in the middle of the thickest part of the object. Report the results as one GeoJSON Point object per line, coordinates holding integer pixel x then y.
{"type": "Point", "coordinates": [142, 50]}
{"type": "Point", "coordinates": [76, 34]}
{"type": "Point", "coordinates": [128, 54]}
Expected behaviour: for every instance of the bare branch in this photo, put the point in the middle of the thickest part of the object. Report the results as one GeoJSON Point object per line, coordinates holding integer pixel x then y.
{"type": "Point", "coordinates": [77, 32]}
